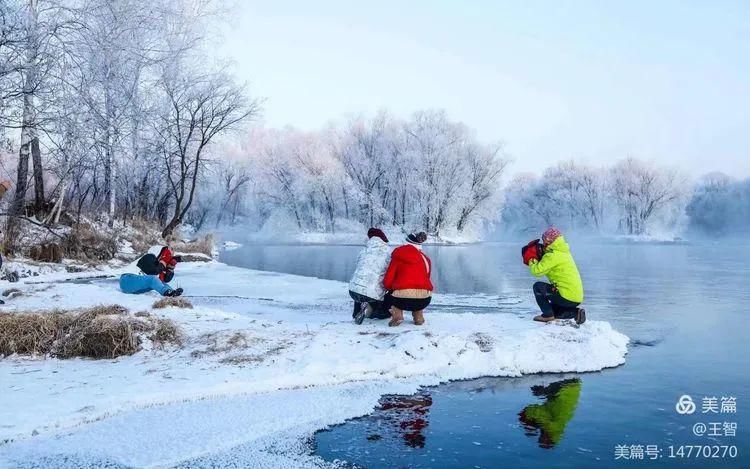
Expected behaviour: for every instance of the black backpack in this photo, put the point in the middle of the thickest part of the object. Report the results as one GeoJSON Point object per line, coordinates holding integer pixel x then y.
{"type": "Point", "coordinates": [150, 265]}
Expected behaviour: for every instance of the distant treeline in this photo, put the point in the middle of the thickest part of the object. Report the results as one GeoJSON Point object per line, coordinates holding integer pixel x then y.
{"type": "Point", "coordinates": [431, 173]}
{"type": "Point", "coordinates": [631, 197]}
{"type": "Point", "coordinates": [720, 206]}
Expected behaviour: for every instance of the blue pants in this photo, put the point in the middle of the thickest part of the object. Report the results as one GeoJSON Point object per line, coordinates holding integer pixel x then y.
{"type": "Point", "coordinates": [133, 283]}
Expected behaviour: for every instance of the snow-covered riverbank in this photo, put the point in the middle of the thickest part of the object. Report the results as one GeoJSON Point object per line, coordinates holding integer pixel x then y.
{"type": "Point", "coordinates": [269, 358]}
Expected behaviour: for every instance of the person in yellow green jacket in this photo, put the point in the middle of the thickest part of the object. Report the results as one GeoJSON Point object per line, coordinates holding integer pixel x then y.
{"type": "Point", "coordinates": [560, 298]}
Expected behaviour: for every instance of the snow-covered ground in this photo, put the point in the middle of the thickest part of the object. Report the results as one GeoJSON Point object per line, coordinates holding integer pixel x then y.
{"type": "Point", "coordinates": [270, 358]}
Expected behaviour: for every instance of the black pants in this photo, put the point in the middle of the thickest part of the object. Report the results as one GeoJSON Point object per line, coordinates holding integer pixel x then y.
{"type": "Point", "coordinates": [552, 303]}
{"type": "Point", "coordinates": [407, 304]}
{"type": "Point", "coordinates": [379, 308]}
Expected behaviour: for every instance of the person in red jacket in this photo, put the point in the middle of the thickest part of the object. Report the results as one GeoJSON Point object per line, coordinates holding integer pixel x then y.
{"type": "Point", "coordinates": [167, 259]}
{"type": "Point", "coordinates": [408, 280]}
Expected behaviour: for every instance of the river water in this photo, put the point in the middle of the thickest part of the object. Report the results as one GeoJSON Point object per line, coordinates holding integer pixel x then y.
{"type": "Point", "coordinates": [682, 305]}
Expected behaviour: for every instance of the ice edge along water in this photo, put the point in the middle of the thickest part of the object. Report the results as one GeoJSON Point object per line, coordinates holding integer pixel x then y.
{"type": "Point", "coordinates": [270, 359]}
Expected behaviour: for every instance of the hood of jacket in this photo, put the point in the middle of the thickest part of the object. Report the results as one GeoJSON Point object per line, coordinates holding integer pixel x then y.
{"type": "Point", "coordinates": [376, 242]}
{"type": "Point", "coordinates": [408, 254]}
{"type": "Point", "coordinates": [558, 245]}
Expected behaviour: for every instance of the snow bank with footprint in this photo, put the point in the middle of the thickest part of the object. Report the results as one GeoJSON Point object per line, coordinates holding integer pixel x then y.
{"type": "Point", "coordinates": [280, 347]}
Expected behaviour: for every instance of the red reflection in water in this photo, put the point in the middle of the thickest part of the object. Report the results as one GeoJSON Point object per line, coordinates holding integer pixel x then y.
{"type": "Point", "coordinates": [409, 414]}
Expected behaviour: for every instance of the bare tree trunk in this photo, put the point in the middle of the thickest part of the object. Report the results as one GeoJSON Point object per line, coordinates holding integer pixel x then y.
{"type": "Point", "coordinates": [36, 157]}
{"type": "Point", "coordinates": [23, 169]}
{"type": "Point", "coordinates": [235, 210]}
{"type": "Point", "coordinates": [28, 129]}
{"type": "Point", "coordinates": [109, 152]}
{"type": "Point", "coordinates": [169, 229]}
{"type": "Point", "coordinates": [346, 203]}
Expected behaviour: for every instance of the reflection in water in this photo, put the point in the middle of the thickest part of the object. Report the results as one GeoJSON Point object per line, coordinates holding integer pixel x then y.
{"type": "Point", "coordinates": [408, 415]}
{"type": "Point", "coordinates": [548, 420]}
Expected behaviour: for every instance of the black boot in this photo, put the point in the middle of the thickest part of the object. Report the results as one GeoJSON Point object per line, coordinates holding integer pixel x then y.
{"type": "Point", "coordinates": [173, 293]}
{"type": "Point", "coordinates": [360, 317]}
{"type": "Point", "coordinates": [580, 316]}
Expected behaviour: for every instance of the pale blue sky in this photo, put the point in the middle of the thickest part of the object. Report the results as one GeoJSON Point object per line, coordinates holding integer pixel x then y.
{"type": "Point", "coordinates": [594, 80]}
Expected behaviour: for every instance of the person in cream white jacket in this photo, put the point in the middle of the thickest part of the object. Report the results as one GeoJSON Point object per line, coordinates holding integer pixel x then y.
{"type": "Point", "coordinates": [366, 286]}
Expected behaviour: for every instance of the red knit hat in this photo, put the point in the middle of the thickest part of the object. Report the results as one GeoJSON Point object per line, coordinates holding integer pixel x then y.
{"type": "Point", "coordinates": [550, 235]}
{"type": "Point", "coordinates": [377, 232]}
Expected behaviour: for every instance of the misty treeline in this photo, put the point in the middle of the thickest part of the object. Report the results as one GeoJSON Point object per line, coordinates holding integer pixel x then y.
{"type": "Point", "coordinates": [631, 197]}
{"type": "Point", "coordinates": [720, 206]}
{"type": "Point", "coordinates": [426, 172]}
{"type": "Point", "coordinates": [111, 106]}
{"type": "Point", "coordinates": [430, 173]}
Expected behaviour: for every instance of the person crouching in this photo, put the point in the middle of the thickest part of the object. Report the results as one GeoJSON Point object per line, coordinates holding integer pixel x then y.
{"type": "Point", "coordinates": [408, 280]}
{"type": "Point", "coordinates": [157, 269]}
{"type": "Point", "coordinates": [366, 285]}
{"type": "Point", "coordinates": [560, 298]}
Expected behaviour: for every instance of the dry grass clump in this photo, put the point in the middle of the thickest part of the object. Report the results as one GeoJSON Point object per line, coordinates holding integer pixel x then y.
{"type": "Point", "coordinates": [98, 336]}
{"type": "Point", "coordinates": [203, 245]}
{"type": "Point", "coordinates": [99, 332]}
{"type": "Point", "coordinates": [166, 332]}
{"type": "Point", "coordinates": [31, 334]}
{"type": "Point", "coordinates": [106, 310]}
{"type": "Point", "coordinates": [144, 235]}
{"type": "Point", "coordinates": [172, 302]}
{"type": "Point", "coordinates": [46, 252]}
{"type": "Point", "coordinates": [89, 243]}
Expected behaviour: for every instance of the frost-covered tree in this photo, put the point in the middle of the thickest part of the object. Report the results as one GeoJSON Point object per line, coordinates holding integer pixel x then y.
{"type": "Point", "coordinates": [11, 53]}
{"type": "Point", "coordinates": [522, 211]}
{"type": "Point", "coordinates": [364, 152]}
{"type": "Point", "coordinates": [235, 179]}
{"type": "Point", "coordinates": [436, 146]}
{"type": "Point", "coordinates": [484, 167]}
{"type": "Point", "coordinates": [427, 172]}
{"type": "Point", "coordinates": [38, 44]}
{"type": "Point", "coordinates": [89, 88]}
{"type": "Point", "coordinates": [113, 49]}
{"type": "Point", "coordinates": [642, 190]}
